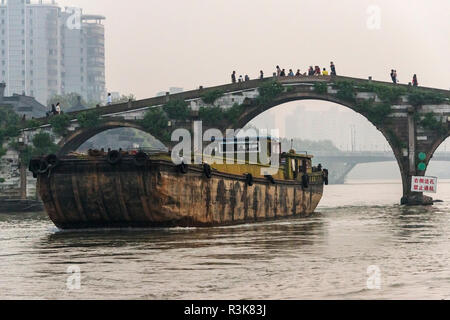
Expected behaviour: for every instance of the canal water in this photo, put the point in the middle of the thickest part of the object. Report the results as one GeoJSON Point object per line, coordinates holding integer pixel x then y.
{"type": "Point", "coordinates": [359, 245]}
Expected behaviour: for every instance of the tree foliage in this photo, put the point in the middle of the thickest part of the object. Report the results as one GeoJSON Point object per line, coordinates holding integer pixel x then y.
{"type": "Point", "coordinates": [211, 115]}
{"type": "Point", "coordinates": [177, 110]}
{"type": "Point", "coordinates": [89, 119]}
{"type": "Point", "coordinates": [155, 122]}
{"type": "Point", "coordinates": [60, 123]}
{"type": "Point", "coordinates": [9, 127]}
{"type": "Point", "coordinates": [211, 96]}
{"type": "Point", "coordinates": [268, 91]}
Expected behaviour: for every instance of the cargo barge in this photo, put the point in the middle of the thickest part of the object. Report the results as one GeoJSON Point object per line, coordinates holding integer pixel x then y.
{"type": "Point", "coordinates": [139, 190]}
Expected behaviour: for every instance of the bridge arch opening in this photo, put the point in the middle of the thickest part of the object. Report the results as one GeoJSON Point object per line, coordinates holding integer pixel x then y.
{"type": "Point", "coordinates": [127, 135]}
{"type": "Point", "coordinates": [122, 138]}
{"type": "Point", "coordinates": [340, 138]}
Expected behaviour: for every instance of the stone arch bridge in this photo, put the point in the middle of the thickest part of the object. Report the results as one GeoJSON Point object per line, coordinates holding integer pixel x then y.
{"type": "Point", "coordinates": [413, 120]}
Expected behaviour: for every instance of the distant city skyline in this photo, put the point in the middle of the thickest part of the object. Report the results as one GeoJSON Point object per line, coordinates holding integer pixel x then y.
{"type": "Point", "coordinates": [47, 51]}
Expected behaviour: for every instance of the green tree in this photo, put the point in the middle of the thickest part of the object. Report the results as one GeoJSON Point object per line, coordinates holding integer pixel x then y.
{"type": "Point", "coordinates": [211, 115]}
{"type": "Point", "coordinates": [89, 119]}
{"type": "Point", "coordinates": [177, 109]}
{"type": "Point", "coordinates": [60, 123]}
{"type": "Point", "coordinates": [211, 96]}
{"type": "Point", "coordinates": [156, 123]}
{"type": "Point", "coordinates": [43, 144]}
{"type": "Point", "coordinates": [9, 127]}
{"type": "Point", "coordinates": [268, 91]}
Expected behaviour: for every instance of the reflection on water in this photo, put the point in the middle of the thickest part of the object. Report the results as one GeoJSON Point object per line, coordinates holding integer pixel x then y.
{"type": "Point", "coordinates": [325, 256]}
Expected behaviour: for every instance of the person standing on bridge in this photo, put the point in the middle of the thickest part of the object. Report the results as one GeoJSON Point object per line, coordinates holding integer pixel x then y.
{"type": "Point", "coordinates": [233, 77]}
{"type": "Point", "coordinates": [241, 79]}
{"type": "Point", "coordinates": [325, 72]}
{"type": "Point", "coordinates": [317, 71]}
{"type": "Point", "coordinates": [333, 69]}
{"type": "Point", "coordinates": [278, 71]}
{"type": "Point", "coordinates": [261, 75]}
{"type": "Point", "coordinates": [283, 73]}
{"type": "Point", "coordinates": [58, 108]}
{"type": "Point", "coordinates": [291, 73]}
{"type": "Point", "coordinates": [414, 81]}
{"type": "Point", "coordinates": [298, 74]}
{"type": "Point", "coordinates": [247, 78]}
{"type": "Point", "coordinates": [109, 99]}
{"type": "Point", "coordinates": [310, 71]}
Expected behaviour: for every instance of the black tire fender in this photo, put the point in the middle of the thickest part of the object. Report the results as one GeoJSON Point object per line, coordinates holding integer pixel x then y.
{"type": "Point", "coordinates": [270, 179]}
{"type": "Point", "coordinates": [43, 166]}
{"type": "Point", "coordinates": [140, 159]}
{"type": "Point", "coordinates": [325, 177]}
{"type": "Point", "coordinates": [114, 157]}
{"type": "Point", "coordinates": [249, 179]}
{"type": "Point", "coordinates": [183, 168]}
{"type": "Point", "coordinates": [52, 160]}
{"type": "Point", "coordinates": [34, 165]}
{"type": "Point", "coordinates": [305, 181]}
{"type": "Point", "coordinates": [207, 170]}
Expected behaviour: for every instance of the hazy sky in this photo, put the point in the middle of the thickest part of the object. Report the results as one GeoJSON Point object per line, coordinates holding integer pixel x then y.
{"type": "Point", "coordinates": [153, 45]}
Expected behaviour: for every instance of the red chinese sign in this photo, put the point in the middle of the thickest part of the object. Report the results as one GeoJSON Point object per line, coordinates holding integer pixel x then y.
{"type": "Point", "coordinates": [424, 184]}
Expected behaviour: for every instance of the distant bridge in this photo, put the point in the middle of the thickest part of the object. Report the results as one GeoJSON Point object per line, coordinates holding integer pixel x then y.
{"type": "Point", "coordinates": [341, 164]}
{"type": "Point", "coordinates": [402, 127]}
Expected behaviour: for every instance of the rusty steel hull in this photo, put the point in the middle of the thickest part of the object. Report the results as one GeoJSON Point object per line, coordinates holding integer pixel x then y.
{"type": "Point", "coordinates": [81, 194]}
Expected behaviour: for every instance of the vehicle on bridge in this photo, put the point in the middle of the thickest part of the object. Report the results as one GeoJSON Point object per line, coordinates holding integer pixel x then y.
{"type": "Point", "coordinates": [137, 189]}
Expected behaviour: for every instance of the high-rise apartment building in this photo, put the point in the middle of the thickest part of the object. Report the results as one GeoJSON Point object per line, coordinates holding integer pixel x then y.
{"type": "Point", "coordinates": [45, 50]}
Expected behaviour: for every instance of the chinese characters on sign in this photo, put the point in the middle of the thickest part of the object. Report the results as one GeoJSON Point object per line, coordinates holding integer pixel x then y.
{"type": "Point", "coordinates": [424, 184]}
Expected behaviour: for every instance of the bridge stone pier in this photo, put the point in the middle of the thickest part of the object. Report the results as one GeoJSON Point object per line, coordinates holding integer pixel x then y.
{"type": "Point", "coordinates": [413, 120]}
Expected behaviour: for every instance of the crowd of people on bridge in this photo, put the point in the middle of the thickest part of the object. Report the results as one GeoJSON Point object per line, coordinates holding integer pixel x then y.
{"type": "Point", "coordinates": [312, 71]}
{"type": "Point", "coordinates": [279, 72]}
